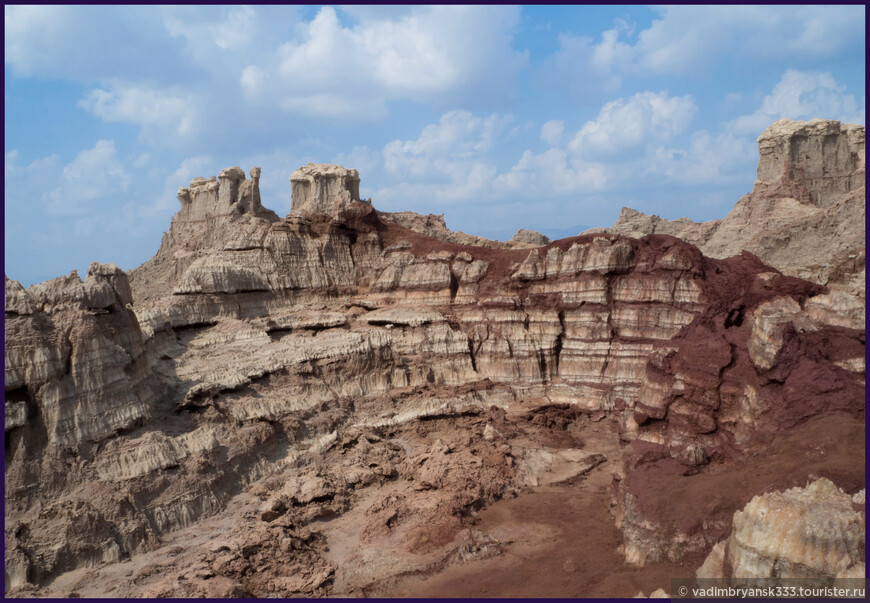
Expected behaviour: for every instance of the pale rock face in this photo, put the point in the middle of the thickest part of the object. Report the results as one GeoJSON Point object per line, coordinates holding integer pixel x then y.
{"type": "Point", "coordinates": [234, 355]}
{"type": "Point", "coordinates": [601, 255]}
{"type": "Point", "coordinates": [215, 214]}
{"type": "Point", "coordinates": [434, 226]}
{"type": "Point", "coordinates": [152, 452]}
{"type": "Point", "coordinates": [837, 308]}
{"type": "Point", "coordinates": [767, 330]}
{"type": "Point", "coordinates": [531, 237]}
{"type": "Point", "coordinates": [323, 188]}
{"type": "Point", "coordinates": [823, 156]}
{"type": "Point", "coordinates": [17, 299]}
{"type": "Point", "coordinates": [810, 532]}
{"type": "Point", "coordinates": [79, 357]}
{"type": "Point", "coordinates": [230, 193]}
{"type": "Point", "coordinates": [713, 566]}
{"type": "Point", "coordinates": [633, 223]}
{"type": "Point", "coordinates": [306, 319]}
{"type": "Point", "coordinates": [805, 215]}
{"type": "Point", "coordinates": [215, 275]}
{"type": "Point", "coordinates": [771, 319]}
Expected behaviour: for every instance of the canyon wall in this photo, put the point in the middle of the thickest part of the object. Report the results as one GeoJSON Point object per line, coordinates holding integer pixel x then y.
{"type": "Point", "coordinates": [252, 346]}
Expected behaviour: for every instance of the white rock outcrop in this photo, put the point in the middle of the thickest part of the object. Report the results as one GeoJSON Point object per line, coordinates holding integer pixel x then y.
{"type": "Point", "coordinates": [323, 188]}
{"type": "Point", "coordinates": [810, 532]}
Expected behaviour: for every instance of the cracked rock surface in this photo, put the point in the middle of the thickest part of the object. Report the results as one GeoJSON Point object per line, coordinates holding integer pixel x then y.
{"type": "Point", "coordinates": [333, 403]}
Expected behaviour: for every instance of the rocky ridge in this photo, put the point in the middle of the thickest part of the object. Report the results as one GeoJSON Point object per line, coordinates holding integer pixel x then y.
{"type": "Point", "coordinates": [434, 226]}
{"type": "Point", "coordinates": [337, 364]}
{"type": "Point", "coordinates": [805, 214]}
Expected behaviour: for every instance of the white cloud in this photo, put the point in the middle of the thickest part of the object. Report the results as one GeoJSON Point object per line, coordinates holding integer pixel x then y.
{"type": "Point", "coordinates": [95, 173]}
{"type": "Point", "coordinates": [586, 69]}
{"type": "Point", "coordinates": [801, 95]}
{"type": "Point", "coordinates": [422, 54]}
{"type": "Point", "coordinates": [252, 81]}
{"type": "Point", "coordinates": [335, 106]}
{"type": "Point", "coordinates": [22, 24]}
{"type": "Point", "coordinates": [445, 148]}
{"type": "Point", "coordinates": [688, 39]}
{"type": "Point", "coordinates": [188, 169]}
{"type": "Point", "coordinates": [454, 161]}
{"type": "Point", "coordinates": [710, 159]}
{"type": "Point", "coordinates": [551, 172]}
{"type": "Point", "coordinates": [142, 160]}
{"type": "Point", "coordinates": [89, 43]}
{"type": "Point", "coordinates": [361, 158]}
{"type": "Point", "coordinates": [235, 29]}
{"type": "Point", "coordinates": [551, 132]}
{"type": "Point", "coordinates": [692, 40]}
{"type": "Point", "coordinates": [450, 161]}
{"type": "Point", "coordinates": [630, 123]}
{"type": "Point", "coordinates": [163, 114]}
{"type": "Point", "coordinates": [36, 170]}
{"type": "Point", "coordinates": [174, 70]}
{"type": "Point", "coordinates": [23, 184]}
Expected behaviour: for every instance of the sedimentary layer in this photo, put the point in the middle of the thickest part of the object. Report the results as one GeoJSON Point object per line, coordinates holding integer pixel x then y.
{"type": "Point", "coordinates": [299, 360]}
{"type": "Point", "coordinates": [805, 214]}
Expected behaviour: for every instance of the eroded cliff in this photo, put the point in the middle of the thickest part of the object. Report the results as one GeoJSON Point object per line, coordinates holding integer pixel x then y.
{"type": "Point", "coordinates": [260, 375]}
{"type": "Point", "coordinates": [805, 214]}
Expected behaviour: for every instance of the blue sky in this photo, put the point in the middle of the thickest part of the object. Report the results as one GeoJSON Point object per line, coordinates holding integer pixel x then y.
{"type": "Point", "coordinates": [550, 118]}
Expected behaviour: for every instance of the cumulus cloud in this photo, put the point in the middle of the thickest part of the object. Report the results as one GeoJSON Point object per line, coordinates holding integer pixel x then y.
{"type": "Point", "coordinates": [586, 69]}
{"type": "Point", "coordinates": [25, 185]}
{"type": "Point", "coordinates": [446, 148]}
{"type": "Point", "coordinates": [630, 123]}
{"type": "Point", "coordinates": [174, 70]}
{"type": "Point", "coordinates": [94, 173]}
{"type": "Point", "coordinates": [167, 203]}
{"type": "Point", "coordinates": [454, 160]}
{"type": "Point", "coordinates": [363, 159]}
{"type": "Point", "coordinates": [71, 42]}
{"type": "Point", "coordinates": [234, 28]}
{"type": "Point", "coordinates": [450, 161]}
{"type": "Point", "coordinates": [551, 172]}
{"type": "Point", "coordinates": [37, 170]}
{"type": "Point", "coordinates": [551, 132]}
{"type": "Point", "coordinates": [802, 95]}
{"type": "Point", "coordinates": [163, 114]}
{"type": "Point", "coordinates": [692, 40]}
{"type": "Point", "coordinates": [709, 159]}
{"type": "Point", "coordinates": [687, 39]}
{"type": "Point", "coordinates": [422, 54]}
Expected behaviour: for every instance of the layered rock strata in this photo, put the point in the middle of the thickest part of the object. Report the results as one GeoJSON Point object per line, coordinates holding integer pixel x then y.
{"type": "Point", "coordinates": [805, 215]}
{"type": "Point", "coordinates": [251, 347]}
{"type": "Point", "coordinates": [813, 532]}
{"type": "Point", "coordinates": [323, 188]}
{"type": "Point", "coordinates": [434, 226]}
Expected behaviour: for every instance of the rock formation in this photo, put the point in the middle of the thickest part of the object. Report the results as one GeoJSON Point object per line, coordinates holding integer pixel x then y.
{"type": "Point", "coordinates": [524, 235]}
{"type": "Point", "coordinates": [805, 215]}
{"type": "Point", "coordinates": [260, 375]}
{"type": "Point", "coordinates": [323, 188]}
{"type": "Point", "coordinates": [434, 226]}
{"type": "Point", "coordinates": [812, 532]}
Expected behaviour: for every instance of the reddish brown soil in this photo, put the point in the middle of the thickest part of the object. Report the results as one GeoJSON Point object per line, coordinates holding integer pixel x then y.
{"type": "Point", "coordinates": [559, 541]}
{"type": "Point", "coordinates": [683, 499]}
{"type": "Point", "coordinates": [578, 559]}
